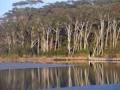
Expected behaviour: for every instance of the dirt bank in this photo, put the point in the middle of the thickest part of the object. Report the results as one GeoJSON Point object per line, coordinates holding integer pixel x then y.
{"type": "Point", "coordinates": [44, 59]}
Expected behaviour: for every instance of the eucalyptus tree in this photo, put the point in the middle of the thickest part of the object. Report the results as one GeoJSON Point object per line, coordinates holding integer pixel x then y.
{"type": "Point", "coordinates": [3, 43]}
{"type": "Point", "coordinates": [73, 27]}
{"type": "Point", "coordinates": [10, 31]}
{"type": "Point", "coordinates": [27, 16]}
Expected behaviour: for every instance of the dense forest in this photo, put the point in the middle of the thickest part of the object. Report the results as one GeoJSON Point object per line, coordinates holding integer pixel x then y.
{"type": "Point", "coordinates": [90, 27]}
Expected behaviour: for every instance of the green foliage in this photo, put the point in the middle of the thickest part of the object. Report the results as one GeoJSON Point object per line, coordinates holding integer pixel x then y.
{"type": "Point", "coordinates": [82, 52]}
{"type": "Point", "coordinates": [113, 52]}
{"type": "Point", "coordinates": [60, 52]}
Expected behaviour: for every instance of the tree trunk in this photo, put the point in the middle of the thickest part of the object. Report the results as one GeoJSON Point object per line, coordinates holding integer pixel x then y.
{"type": "Point", "coordinates": [38, 45]}
{"type": "Point", "coordinates": [57, 44]}
{"type": "Point", "coordinates": [69, 38]}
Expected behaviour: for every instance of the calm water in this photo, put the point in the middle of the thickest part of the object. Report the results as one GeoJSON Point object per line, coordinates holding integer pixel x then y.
{"type": "Point", "coordinates": [46, 76]}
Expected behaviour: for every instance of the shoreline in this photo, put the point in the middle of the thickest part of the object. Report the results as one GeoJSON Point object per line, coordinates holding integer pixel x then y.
{"type": "Point", "coordinates": [59, 59]}
{"type": "Point", "coordinates": [44, 59]}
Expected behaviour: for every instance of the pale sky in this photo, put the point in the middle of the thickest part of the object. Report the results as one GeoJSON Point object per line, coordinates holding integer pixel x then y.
{"type": "Point", "coordinates": [6, 5]}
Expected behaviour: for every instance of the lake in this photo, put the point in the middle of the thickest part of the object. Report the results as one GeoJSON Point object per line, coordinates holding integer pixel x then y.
{"type": "Point", "coordinates": [33, 76]}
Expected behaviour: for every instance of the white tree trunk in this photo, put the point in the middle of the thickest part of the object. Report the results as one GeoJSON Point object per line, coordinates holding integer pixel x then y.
{"type": "Point", "coordinates": [69, 38]}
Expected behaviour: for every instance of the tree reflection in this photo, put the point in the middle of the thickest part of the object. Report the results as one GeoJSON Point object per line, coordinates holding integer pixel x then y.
{"type": "Point", "coordinates": [44, 78]}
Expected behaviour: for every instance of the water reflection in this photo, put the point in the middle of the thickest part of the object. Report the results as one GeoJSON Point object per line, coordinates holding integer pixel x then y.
{"type": "Point", "coordinates": [43, 78]}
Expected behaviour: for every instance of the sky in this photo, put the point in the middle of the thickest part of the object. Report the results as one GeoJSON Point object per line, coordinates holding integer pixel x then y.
{"type": "Point", "coordinates": [6, 5]}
